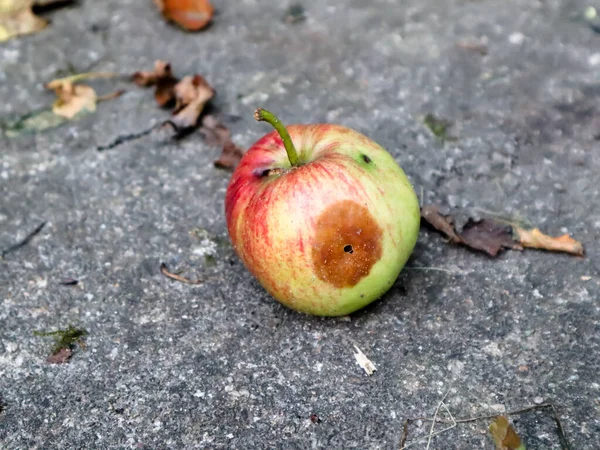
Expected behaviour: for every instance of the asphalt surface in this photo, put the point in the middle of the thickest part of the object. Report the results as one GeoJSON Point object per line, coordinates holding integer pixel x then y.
{"type": "Point", "coordinates": [221, 364]}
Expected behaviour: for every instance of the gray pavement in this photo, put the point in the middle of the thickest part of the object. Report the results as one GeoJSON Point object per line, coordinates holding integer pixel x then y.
{"type": "Point", "coordinates": [222, 365]}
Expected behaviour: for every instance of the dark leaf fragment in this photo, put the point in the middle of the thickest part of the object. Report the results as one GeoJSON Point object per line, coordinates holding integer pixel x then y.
{"type": "Point", "coordinates": [162, 77]}
{"type": "Point", "coordinates": [230, 157]}
{"type": "Point", "coordinates": [488, 236]}
{"type": "Point", "coordinates": [218, 135]}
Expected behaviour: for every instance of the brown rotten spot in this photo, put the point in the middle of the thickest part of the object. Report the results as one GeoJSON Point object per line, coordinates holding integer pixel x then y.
{"type": "Point", "coordinates": [346, 245]}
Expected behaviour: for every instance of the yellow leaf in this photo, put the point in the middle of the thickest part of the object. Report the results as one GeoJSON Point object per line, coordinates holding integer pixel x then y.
{"type": "Point", "coordinates": [72, 98]}
{"type": "Point", "coordinates": [504, 435]}
{"type": "Point", "coordinates": [16, 18]}
{"type": "Point", "coordinates": [536, 239]}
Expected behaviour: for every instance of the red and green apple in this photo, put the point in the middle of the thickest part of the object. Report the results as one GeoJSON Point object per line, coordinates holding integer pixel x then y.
{"type": "Point", "coordinates": [322, 216]}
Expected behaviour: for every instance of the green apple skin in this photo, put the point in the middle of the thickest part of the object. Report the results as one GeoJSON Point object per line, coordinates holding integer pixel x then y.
{"type": "Point", "coordinates": [330, 235]}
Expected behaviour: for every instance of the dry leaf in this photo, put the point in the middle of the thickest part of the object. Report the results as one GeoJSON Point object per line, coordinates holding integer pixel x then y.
{"type": "Point", "coordinates": [75, 98]}
{"type": "Point", "coordinates": [504, 435]}
{"type": "Point", "coordinates": [16, 18]}
{"type": "Point", "coordinates": [218, 135]}
{"type": "Point", "coordinates": [445, 224]}
{"type": "Point", "coordinates": [364, 362]}
{"type": "Point", "coordinates": [536, 239]}
{"type": "Point", "coordinates": [162, 77]}
{"type": "Point", "coordinates": [230, 156]}
{"type": "Point", "coordinates": [191, 15]}
{"type": "Point", "coordinates": [191, 94]}
{"type": "Point", "coordinates": [489, 236]}
{"type": "Point", "coordinates": [72, 98]}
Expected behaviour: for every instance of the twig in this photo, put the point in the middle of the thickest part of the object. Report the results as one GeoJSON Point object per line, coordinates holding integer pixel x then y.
{"type": "Point", "coordinates": [437, 410]}
{"type": "Point", "coordinates": [561, 431]}
{"type": "Point", "coordinates": [110, 95]}
{"type": "Point", "coordinates": [404, 434]}
{"type": "Point", "coordinates": [23, 242]}
{"type": "Point", "coordinates": [174, 276]}
{"type": "Point", "coordinates": [121, 139]}
{"type": "Point", "coordinates": [87, 76]}
{"type": "Point", "coordinates": [453, 423]}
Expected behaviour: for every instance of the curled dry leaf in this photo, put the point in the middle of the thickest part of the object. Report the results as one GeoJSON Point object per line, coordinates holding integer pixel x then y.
{"type": "Point", "coordinates": [16, 18]}
{"type": "Point", "coordinates": [191, 94]}
{"type": "Point", "coordinates": [161, 77]}
{"type": "Point", "coordinates": [504, 435]}
{"type": "Point", "coordinates": [445, 224]}
{"type": "Point", "coordinates": [191, 15]}
{"type": "Point", "coordinates": [536, 239]}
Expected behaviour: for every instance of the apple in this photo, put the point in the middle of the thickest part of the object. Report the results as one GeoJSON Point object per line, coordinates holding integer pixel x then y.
{"type": "Point", "coordinates": [326, 229]}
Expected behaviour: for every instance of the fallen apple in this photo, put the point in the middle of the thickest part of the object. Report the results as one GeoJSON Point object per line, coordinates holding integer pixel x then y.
{"type": "Point", "coordinates": [326, 229]}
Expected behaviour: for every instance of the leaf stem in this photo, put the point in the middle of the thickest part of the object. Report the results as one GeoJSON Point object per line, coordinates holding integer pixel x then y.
{"type": "Point", "coordinates": [262, 115]}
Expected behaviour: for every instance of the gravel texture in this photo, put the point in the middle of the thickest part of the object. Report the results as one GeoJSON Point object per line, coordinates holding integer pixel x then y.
{"type": "Point", "coordinates": [221, 365]}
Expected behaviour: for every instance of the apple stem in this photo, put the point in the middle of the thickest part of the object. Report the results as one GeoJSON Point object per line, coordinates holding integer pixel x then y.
{"type": "Point", "coordinates": [262, 115]}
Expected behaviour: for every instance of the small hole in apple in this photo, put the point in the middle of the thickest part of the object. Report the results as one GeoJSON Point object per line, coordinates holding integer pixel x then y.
{"type": "Point", "coordinates": [366, 159]}
{"type": "Point", "coordinates": [348, 249]}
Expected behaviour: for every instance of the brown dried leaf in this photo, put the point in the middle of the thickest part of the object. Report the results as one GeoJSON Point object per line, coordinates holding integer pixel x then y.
{"type": "Point", "coordinates": [72, 98]}
{"type": "Point", "coordinates": [61, 356]}
{"type": "Point", "coordinates": [162, 77]}
{"type": "Point", "coordinates": [191, 15]}
{"type": "Point", "coordinates": [536, 239]}
{"type": "Point", "coordinates": [445, 224]}
{"type": "Point", "coordinates": [489, 236]}
{"type": "Point", "coordinates": [191, 94]}
{"type": "Point", "coordinates": [504, 435]}
{"type": "Point", "coordinates": [174, 276]}
{"type": "Point", "coordinates": [230, 156]}
{"type": "Point", "coordinates": [218, 135]}
{"type": "Point", "coordinates": [16, 18]}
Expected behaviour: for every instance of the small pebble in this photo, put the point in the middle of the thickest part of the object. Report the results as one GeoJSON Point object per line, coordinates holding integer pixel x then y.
{"type": "Point", "coordinates": [516, 38]}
